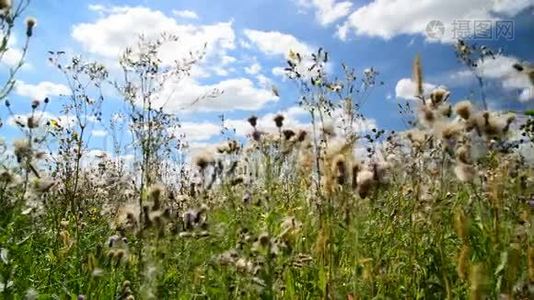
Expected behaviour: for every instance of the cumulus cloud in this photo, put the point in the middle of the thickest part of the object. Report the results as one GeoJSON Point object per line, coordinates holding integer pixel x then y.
{"type": "Point", "coordinates": [386, 19]}
{"type": "Point", "coordinates": [500, 70]}
{"type": "Point", "coordinates": [12, 57]}
{"type": "Point", "coordinates": [276, 43]}
{"type": "Point", "coordinates": [40, 90]}
{"type": "Point", "coordinates": [13, 54]}
{"type": "Point", "coordinates": [406, 89]}
{"type": "Point", "coordinates": [198, 131]}
{"type": "Point", "coordinates": [233, 94]}
{"type": "Point", "coordinates": [185, 14]}
{"type": "Point", "coordinates": [119, 27]}
{"type": "Point", "coordinates": [327, 11]}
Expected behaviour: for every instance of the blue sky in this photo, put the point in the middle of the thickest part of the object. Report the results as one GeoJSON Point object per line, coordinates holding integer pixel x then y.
{"type": "Point", "coordinates": [248, 42]}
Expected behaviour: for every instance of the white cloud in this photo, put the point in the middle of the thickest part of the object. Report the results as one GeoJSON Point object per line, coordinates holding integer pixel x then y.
{"type": "Point", "coordinates": [237, 93]}
{"type": "Point", "coordinates": [501, 69]}
{"type": "Point", "coordinates": [502, 72]}
{"type": "Point", "coordinates": [197, 132]}
{"type": "Point", "coordinates": [99, 133]}
{"type": "Point", "coordinates": [185, 14]}
{"type": "Point", "coordinates": [253, 69]}
{"type": "Point", "coordinates": [119, 27]}
{"type": "Point", "coordinates": [277, 43]}
{"type": "Point", "coordinates": [407, 89]}
{"type": "Point", "coordinates": [386, 19]}
{"type": "Point", "coordinates": [12, 57]}
{"type": "Point", "coordinates": [13, 54]}
{"type": "Point", "coordinates": [279, 71]}
{"type": "Point", "coordinates": [327, 11]}
{"type": "Point", "coordinates": [41, 90]}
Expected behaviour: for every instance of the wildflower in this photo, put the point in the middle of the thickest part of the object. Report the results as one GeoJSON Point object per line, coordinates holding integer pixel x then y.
{"type": "Point", "coordinates": [256, 135]}
{"type": "Point", "coordinates": [203, 160]}
{"type": "Point", "coordinates": [427, 115]}
{"type": "Point", "coordinates": [6, 177]}
{"type": "Point", "coordinates": [464, 109]}
{"type": "Point", "coordinates": [30, 24]}
{"type": "Point", "coordinates": [22, 149]}
{"type": "Point", "coordinates": [279, 120]}
{"type": "Point", "coordinates": [449, 130]}
{"type": "Point", "coordinates": [439, 96]}
{"type": "Point", "coordinates": [288, 134]}
{"type": "Point", "coordinates": [253, 121]}
{"type": "Point", "coordinates": [416, 137]}
{"type": "Point", "coordinates": [301, 135]}
{"type": "Point", "coordinates": [35, 104]}
{"type": "Point", "coordinates": [5, 4]}
{"type": "Point", "coordinates": [328, 129]}
{"type": "Point", "coordinates": [32, 122]}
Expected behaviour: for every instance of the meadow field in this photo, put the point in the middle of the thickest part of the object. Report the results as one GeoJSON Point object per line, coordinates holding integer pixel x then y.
{"type": "Point", "coordinates": [440, 209]}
